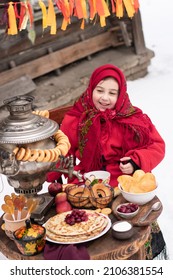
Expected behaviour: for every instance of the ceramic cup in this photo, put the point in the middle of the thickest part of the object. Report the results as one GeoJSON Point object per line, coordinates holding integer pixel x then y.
{"type": "Point", "coordinates": [12, 225]}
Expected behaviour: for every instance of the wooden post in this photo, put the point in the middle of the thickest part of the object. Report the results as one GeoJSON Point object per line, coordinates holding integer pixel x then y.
{"type": "Point", "coordinates": [125, 34]}
{"type": "Point", "coordinates": [138, 36]}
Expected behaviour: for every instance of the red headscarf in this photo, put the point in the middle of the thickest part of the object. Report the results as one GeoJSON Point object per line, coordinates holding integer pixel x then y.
{"type": "Point", "coordinates": [134, 124]}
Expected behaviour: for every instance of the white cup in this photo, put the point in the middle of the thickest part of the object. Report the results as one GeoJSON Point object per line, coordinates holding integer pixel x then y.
{"type": "Point", "coordinates": [12, 225]}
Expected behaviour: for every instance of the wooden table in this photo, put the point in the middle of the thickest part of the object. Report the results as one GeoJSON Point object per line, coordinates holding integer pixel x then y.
{"type": "Point", "coordinates": [103, 248]}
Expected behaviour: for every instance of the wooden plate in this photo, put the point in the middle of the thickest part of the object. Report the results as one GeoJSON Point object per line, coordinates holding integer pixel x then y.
{"type": "Point", "coordinates": [142, 211]}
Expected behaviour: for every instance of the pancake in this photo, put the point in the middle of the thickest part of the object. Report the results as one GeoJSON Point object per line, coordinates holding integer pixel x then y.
{"type": "Point", "coordinates": [57, 229]}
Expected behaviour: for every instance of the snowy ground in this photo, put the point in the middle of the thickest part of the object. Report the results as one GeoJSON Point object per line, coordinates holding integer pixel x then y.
{"type": "Point", "coordinates": [153, 95]}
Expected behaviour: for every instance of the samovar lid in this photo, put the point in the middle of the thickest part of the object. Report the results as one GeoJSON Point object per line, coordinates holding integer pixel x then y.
{"type": "Point", "coordinates": [22, 126]}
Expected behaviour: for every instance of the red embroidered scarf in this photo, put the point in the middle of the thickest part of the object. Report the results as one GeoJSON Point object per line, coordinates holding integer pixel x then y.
{"type": "Point", "coordinates": [133, 123]}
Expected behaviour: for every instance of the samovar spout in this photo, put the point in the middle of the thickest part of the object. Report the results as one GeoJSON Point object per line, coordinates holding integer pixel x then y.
{"type": "Point", "coordinates": [78, 175]}
{"type": "Point", "coordinates": [67, 167]}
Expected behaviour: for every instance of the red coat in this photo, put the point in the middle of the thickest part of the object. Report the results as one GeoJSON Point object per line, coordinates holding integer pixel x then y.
{"type": "Point", "coordinates": [146, 158]}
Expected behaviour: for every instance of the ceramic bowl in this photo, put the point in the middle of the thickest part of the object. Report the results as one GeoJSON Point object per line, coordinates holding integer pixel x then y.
{"type": "Point", "coordinates": [101, 175]}
{"type": "Point", "coordinates": [122, 230]}
{"type": "Point", "coordinates": [127, 210]}
{"type": "Point", "coordinates": [138, 198]}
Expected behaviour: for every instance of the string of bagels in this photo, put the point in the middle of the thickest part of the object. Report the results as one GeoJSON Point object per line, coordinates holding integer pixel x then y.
{"type": "Point", "coordinates": [44, 155]}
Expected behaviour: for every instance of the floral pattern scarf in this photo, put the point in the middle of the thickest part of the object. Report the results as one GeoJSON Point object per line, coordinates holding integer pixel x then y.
{"type": "Point", "coordinates": [134, 125]}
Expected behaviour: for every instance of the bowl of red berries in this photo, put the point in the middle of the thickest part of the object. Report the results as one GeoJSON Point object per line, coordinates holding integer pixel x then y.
{"type": "Point", "coordinates": [127, 210]}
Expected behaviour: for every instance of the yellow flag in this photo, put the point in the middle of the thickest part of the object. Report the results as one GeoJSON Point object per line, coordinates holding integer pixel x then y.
{"type": "Point", "coordinates": [51, 18]}
{"type": "Point", "coordinates": [44, 14]}
{"type": "Point", "coordinates": [12, 30]}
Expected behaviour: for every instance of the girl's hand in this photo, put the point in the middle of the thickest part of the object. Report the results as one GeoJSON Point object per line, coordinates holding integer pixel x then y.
{"type": "Point", "coordinates": [125, 166]}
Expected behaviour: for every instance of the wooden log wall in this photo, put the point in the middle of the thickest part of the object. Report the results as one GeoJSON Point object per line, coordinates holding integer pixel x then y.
{"type": "Point", "coordinates": [20, 44]}
{"type": "Point", "coordinates": [18, 51]}
{"type": "Point", "coordinates": [22, 64]}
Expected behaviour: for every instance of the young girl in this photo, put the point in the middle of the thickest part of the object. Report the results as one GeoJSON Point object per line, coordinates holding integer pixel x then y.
{"type": "Point", "coordinates": [107, 132]}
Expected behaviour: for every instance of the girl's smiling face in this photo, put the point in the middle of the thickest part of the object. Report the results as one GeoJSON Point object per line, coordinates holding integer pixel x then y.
{"type": "Point", "coordinates": [105, 94]}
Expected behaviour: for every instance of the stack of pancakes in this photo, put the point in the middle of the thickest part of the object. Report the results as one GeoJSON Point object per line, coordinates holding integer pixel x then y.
{"type": "Point", "coordinates": [58, 230]}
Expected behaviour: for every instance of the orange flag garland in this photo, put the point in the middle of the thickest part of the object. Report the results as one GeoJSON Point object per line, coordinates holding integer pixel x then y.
{"type": "Point", "coordinates": [92, 4]}
{"type": "Point", "coordinates": [66, 8]}
{"type": "Point", "coordinates": [103, 11]}
{"type": "Point", "coordinates": [82, 9]}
